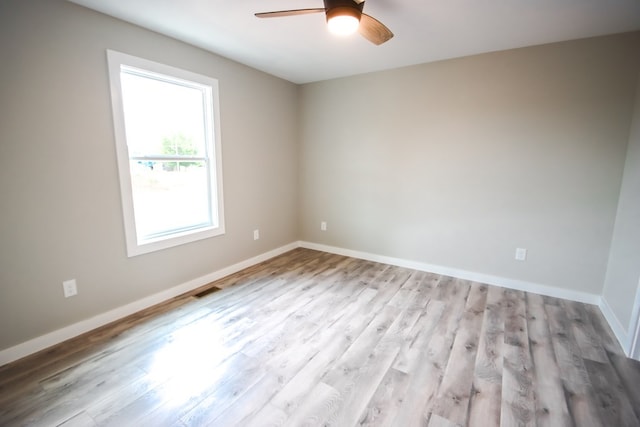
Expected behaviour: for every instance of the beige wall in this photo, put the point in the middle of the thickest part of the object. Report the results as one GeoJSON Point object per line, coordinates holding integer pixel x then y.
{"type": "Point", "coordinates": [60, 214]}
{"type": "Point", "coordinates": [623, 272]}
{"type": "Point", "coordinates": [459, 162]}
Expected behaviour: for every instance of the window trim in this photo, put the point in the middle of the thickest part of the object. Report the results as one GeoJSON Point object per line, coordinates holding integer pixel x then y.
{"type": "Point", "coordinates": [136, 246]}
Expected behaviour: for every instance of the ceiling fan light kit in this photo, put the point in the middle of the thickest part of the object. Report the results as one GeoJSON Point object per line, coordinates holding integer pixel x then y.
{"type": "Point", "coordinates": [343, 17]}
{"type": "Point", "coordinates": [343, 21]}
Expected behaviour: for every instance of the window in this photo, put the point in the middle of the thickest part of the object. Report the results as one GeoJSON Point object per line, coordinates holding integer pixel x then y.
{"type": "Point", "coordinates": [167, 134]}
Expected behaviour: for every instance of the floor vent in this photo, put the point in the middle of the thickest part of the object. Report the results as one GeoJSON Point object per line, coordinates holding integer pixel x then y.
{"type": "Point", "coordinates": [206, 292]}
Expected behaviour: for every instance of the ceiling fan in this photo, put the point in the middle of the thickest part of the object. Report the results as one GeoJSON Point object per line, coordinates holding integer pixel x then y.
{"type": "Point", "coordinates": [343, 17]}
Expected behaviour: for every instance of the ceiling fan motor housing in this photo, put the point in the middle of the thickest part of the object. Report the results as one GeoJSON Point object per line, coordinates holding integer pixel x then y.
{"type": "Point", "coordinates": [343, 8]}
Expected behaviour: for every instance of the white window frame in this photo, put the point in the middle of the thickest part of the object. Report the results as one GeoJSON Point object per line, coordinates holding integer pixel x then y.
{"type": "Point", "coordinates": [135, 244]}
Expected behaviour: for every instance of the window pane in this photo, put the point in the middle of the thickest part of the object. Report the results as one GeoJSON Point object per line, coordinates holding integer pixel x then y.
{"type": "Point", "coordinates": [168, 147]}
{"type": "Point", "coordinates": [169, 197]}
{"type": "Point", "coordinates": [163, 117]}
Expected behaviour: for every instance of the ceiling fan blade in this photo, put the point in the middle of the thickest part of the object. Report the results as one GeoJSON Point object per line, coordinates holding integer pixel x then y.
{"type": "Point", "coordinates": [373, 30]}
{"type": "Point", "coordinates": [280, 13]}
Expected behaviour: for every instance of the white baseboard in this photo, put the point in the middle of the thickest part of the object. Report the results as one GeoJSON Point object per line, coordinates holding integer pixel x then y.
{"type": "Point", "coordinates": [623, 336]}
{"type": "Point", "coordinates": [44, 341]}
{"type": "Point", "coordinates": [634, 327]}
{"type": "Point", "coordinates": [32, 346]}
{"type": "Point", "coordinates": [503, 282]}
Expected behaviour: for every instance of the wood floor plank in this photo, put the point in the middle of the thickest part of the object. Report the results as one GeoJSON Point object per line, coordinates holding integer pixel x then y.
{"type": "Point", "coordinates": [420, 336]}
{"type": "Point", "coordinates": [359, 373]}
{"type": "Point", "coordinates": [59, 403]}
{"type": "Point", "coordinates": [518, 402]}
{"type": "Point", "coordinates": [405, 295]}
{"type": "Point", "coordinates": [429, 358]}
{"type": "Point", "coordinates": [453, 398]}
{"type": "Point", "coordinates": [181, 387]}
{"type": "Point", "coordinates": [318, 408]}
{"type": "Point", "coordinates": [238, 407]}
{"type": "Point", "coordinates": [628, 370]}
{"type": "Point", "coordinates": [77, 350]}
{"type": "Point", "coordinates": [102, 407]}
{"type": "Point", "coordinates": [79, 420]}
{"type": "Point", "coordinates": [518, 406]}
{"type": "Point", "coordinates": [385, 403]}
{"type": "Point", "coordinates": [551, 405]}
{"type": "Point", "coordinates": [584, 333]}
{"type": "Point", "coordinates": [575, 379]}
{"type": "Point", "coordinates": [311, 338]}
{"type": "Point", "coordinates": [606, 337]}
{"type": "Point", "coordinates": [438, 421]}
{"type": "Point", "coordinates": [253, 406]}
{"type": "Point", "coordinates": [486, 395]}
{"type": "Point", "coordinates": [613, 404]}
{"type": "Point", "coordinates": [325, 353]}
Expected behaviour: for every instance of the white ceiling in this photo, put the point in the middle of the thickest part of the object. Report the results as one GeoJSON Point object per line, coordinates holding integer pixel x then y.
{"type": "Point", "coordinates": [301, 50]}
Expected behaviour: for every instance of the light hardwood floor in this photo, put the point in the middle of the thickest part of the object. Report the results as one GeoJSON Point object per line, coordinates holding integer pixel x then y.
{"type": "Point", "coordinates": [310, 338]}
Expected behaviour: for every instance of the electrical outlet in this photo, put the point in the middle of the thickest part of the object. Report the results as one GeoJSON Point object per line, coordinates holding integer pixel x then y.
{"type": "Point", "coordinates": [521, 254]}
{"type": "Point", "coordinates": [323, 226]}
{"type": "Point", "coordinates": [70, 288]}
{"type": "Point", "coordinates": [256, 234]}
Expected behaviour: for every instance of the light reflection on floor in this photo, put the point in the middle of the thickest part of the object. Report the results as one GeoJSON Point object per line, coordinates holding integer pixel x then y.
{"type": "Point", "coordinates": [190, 363]}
